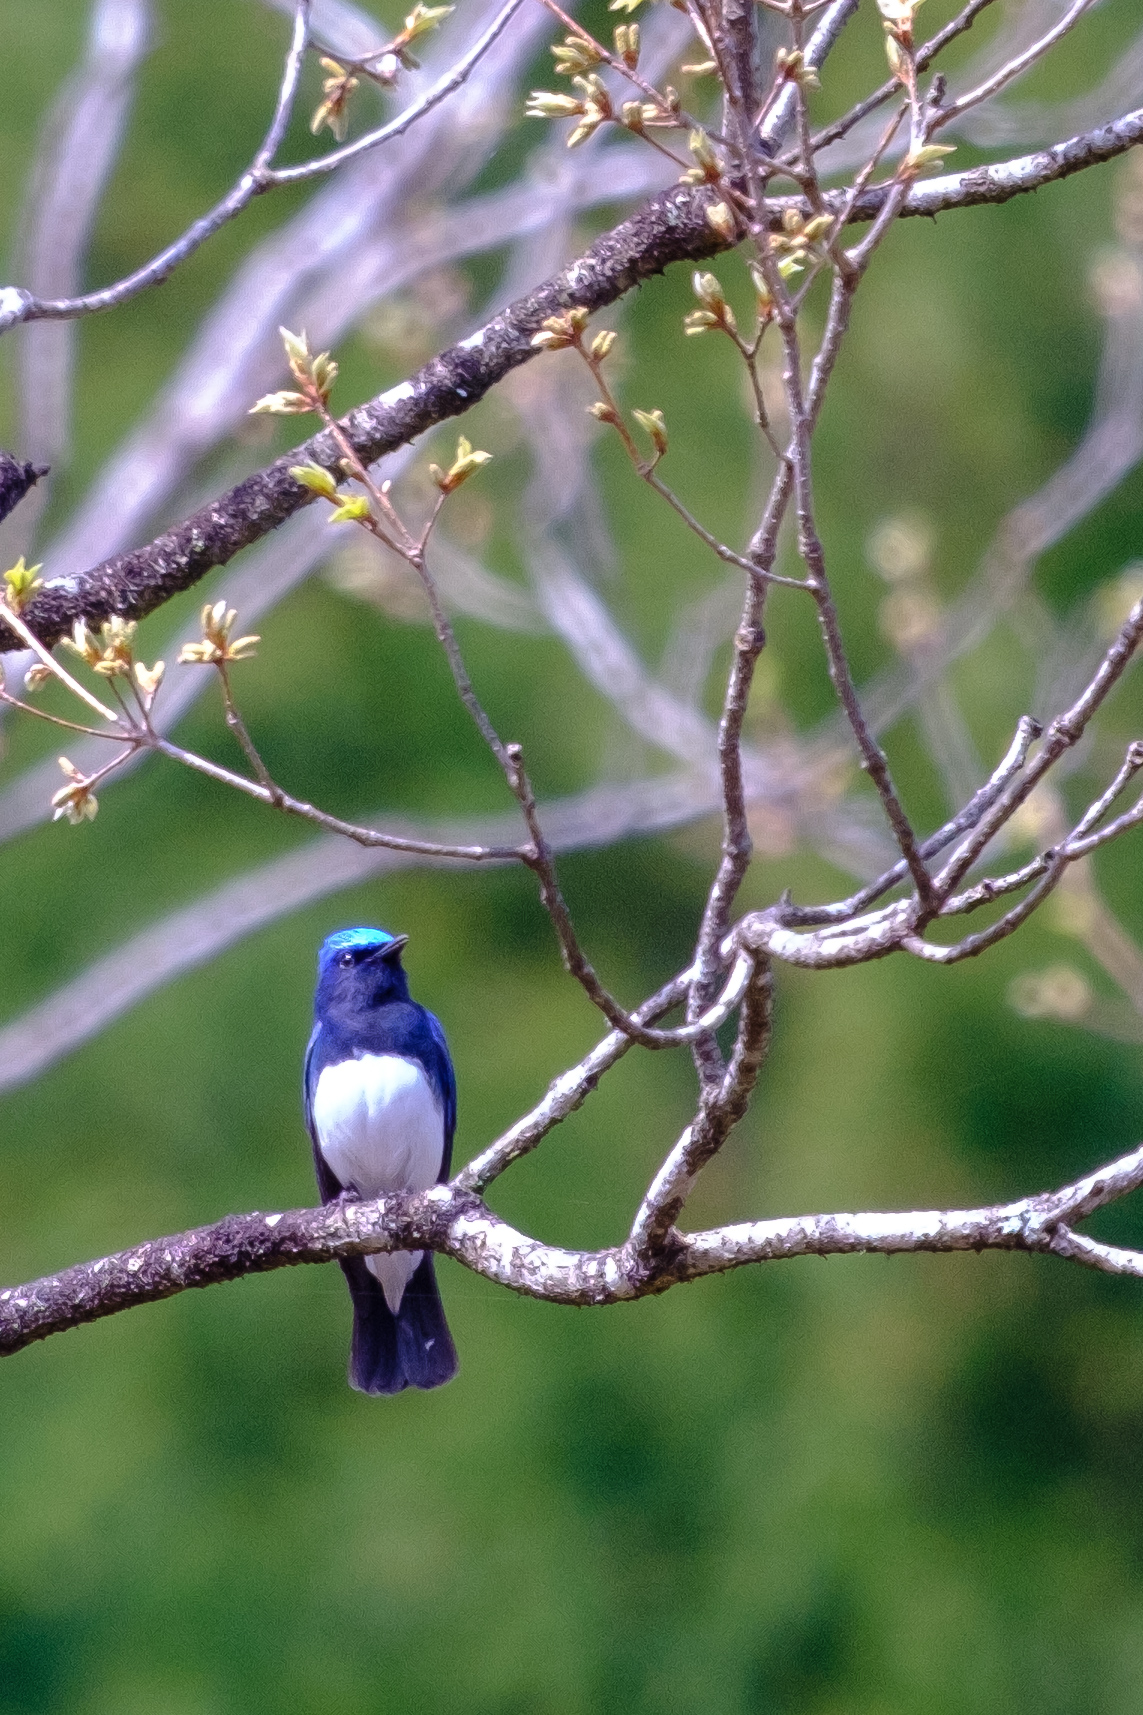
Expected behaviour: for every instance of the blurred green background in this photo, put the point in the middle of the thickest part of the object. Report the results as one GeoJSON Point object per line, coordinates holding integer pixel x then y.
{"type": "Point", "coordinates": [872, 1487]}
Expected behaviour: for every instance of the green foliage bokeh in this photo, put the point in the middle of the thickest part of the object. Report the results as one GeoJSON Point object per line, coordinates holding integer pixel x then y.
{"type": "Point", "coordinates": [871, 1487]}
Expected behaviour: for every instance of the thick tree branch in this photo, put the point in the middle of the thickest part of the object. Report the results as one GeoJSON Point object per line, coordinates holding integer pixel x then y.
{"type": "Point", "coordinates": [457, 1223]}
{"type": "Point", "coordinates": [17, 476]}
{"type": "Point", "coordinates": [670, 228]}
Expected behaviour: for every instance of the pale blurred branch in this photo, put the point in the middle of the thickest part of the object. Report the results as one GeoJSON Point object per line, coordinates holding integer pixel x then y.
{"type": "Point", "coordinates": [78, 148]}
{"type": "Point", "coordinates": [19, 306]}
{"type": "Point", "coordinates": [198, 932]}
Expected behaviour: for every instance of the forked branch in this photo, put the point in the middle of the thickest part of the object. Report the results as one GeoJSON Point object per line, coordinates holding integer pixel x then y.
{"type": "Point", "coordinates": [455, 1222]}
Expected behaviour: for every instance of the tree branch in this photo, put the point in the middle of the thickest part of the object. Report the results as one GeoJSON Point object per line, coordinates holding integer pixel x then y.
{"type": "Point", "coordinates": [670, 228]}
{"type": "Point", "coordinates": [456, 1223]}
{"type": "Point", "coordinates": [18, 306]}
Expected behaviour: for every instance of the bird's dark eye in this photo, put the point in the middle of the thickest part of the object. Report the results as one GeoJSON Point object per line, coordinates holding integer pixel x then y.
{"type": "Point", "coordinates": [345, 958]}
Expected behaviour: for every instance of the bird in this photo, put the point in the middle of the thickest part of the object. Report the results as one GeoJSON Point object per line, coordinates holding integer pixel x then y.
{"type": "Point", "coordinates": [380, 1106]}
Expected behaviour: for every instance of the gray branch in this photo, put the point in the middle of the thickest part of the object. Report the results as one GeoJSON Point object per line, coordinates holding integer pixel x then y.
{"type": "Point", "coordinates": [455, 1222]}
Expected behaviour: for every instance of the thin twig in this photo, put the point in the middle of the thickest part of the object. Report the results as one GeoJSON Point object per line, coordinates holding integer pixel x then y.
{"type": "Point", "coordinates": [924, 57]}
{"type": "Point", "coordinates": [280, 800]}
{"type": "Point", "coordinates": [1016, 66]}
{"type": "Point", "coordinates": [18, 306]}
{"type": "Point", "coordinates": [24, 632]}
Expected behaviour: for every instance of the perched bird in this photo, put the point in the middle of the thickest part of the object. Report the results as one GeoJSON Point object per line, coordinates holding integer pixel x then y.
{"type": "Point", "coordinates": [380, 1096]}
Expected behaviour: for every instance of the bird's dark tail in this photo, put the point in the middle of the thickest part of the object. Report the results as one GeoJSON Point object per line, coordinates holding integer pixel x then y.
{"type": "Point", "coordinates": [413, 1348]}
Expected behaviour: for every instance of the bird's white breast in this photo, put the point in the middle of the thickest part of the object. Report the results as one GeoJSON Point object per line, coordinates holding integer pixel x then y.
{"type": "Point", "coordinates": [381, 1128]}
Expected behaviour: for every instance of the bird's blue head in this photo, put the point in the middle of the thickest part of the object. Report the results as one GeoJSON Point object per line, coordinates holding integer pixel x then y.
{"type": "Point", "coordinates": [360, 968]}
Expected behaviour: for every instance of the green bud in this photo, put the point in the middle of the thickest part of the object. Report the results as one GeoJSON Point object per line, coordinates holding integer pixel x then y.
{"type": "Point", "coordinates": [466, 463]}
{"type": "Point", "coordinates": [654, 426]}
{"type": "Point", "coordinates": [297, 349]}
{"type": "Point", "coordinates": [919, 160]}
{"type": "Point", "coordinates": [313, 477]}
{"type": "Point", "coordinates": [422, 19]}
{"type": "Point", "coordinates": [352, 509]}
{"type": "Point", "coordinates": [705, 158]}
{"type": "Point", "coordinates": [817, 227]}
{"type": "Point", "coordinates": [21, 584]}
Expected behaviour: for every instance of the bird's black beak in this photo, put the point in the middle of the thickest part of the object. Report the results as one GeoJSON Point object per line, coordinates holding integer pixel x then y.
{"type": "Point", "coordinates": [392, 948]}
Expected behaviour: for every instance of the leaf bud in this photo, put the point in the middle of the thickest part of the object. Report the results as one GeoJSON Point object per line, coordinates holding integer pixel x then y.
{"type": "Point", "coordinates": [351, 509]}
{"type": "Point", "coordinates": [708, 290]}
{"type": "Point", "coordinates": [282, 404]}
{"type": "Point", "coordinates": [558, 332]}
{"type": "Point", "coordinates": [705, 158]}
{"type": "Point", "coordinates": [627, 44]}
{"type": "Point", "coordinates": [898, 14]}
{"type": "Point", "coordinates": [929, 155]}
{"type": "Point", "coordinates": [547, 104]}
{"type": "Point", "coordinates": [898, 59]}
{"type": "Point", "coordinates": [83, 644]}
{"type": "Point", "coordinates": [762, 291]}
{"type": "Point", "coordinates": [574, 54]}
{"type": "Point", "coordinates": [324, 373]}
{"type": "Point", "coordinates": [422, 19]}
{"type": "Point", "coordinates": [21, 584]}
{"type": "Point", "coordinates": [297, 351]}
{"type": "Point", "coordinates": [721, 220]}
{"type": "Point", "coordinates": [149, 678]}
{"type": "Point", "coordinates": [313, 477]}
{"type": "Point", "coordinates": [114, 649]}
{"type": "Point", "coordinates": [654, 426]}
{"type": "Point", "coordinates": [334, 110]}
{"type": "Point", "coordinates": [790, 64]}
{"type": "Point", "coordinates": [216, 645]}
{"type": "Point", "coordinates": [465, 464]}
{"type": "Point", "coordinates": [75, 801]}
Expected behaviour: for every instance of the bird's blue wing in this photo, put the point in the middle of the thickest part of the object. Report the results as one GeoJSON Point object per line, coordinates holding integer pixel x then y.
{"type": "Point", "coordinates": [329, 1186]}
{"type": "Point", "coordinates": [308, 1081]}
{"type": "Point", "coordinates": [448, 1090]}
